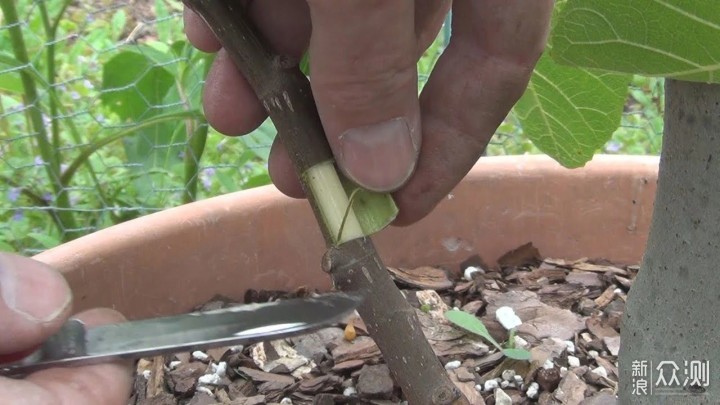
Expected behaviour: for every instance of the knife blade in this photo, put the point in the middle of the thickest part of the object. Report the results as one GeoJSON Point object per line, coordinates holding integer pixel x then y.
{"type": "Point", "coordinates": [75, 345]}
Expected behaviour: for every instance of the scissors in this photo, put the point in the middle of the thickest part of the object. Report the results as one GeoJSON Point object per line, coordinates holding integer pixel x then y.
{"type": "Point", "coordinates": [75, 344]}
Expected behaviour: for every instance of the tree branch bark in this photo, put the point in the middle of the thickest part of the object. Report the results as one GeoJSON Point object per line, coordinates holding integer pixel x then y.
{"type": "Point", "coordinates": [354, 265]}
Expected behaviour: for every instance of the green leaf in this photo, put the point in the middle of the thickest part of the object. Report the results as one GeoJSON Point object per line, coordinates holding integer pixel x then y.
{"type": "Point", "coordinates": [260, 140]}
{"type": "Point", "coordinates": [471, 324]}
{"type": "Point", "coordinates": [45, 241]}
{"type": "Point", "coordinates": [517, 354]}
{"type": "Point", "coordinates": [133, 84]}
{"type": "Point", "coordinates": [569, 113]}
{"type": "Point", "coordinates": [671, 38]}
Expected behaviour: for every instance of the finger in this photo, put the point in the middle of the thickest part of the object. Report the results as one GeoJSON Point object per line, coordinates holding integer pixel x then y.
{"type": "Point", "coordinates": [364, 79]}
{"type": "Point", "coordinates": [98, 384]}
{"type": "Point", "coordinates": [229, 102]}
{"type": "Point", "coordinates": [477, 80]}
{"type": "Point", "coordinates": [282, 172]}
{"type": "Point", "coordinates": [34, 302]}
{"type": "Point", "coordinates": [429, 18]}
{"type": "Point", "coordinates": [198, 33]}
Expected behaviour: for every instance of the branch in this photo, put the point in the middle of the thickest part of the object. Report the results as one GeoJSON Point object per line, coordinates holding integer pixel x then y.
{"type": "Point", "coordinates": [354, 265]}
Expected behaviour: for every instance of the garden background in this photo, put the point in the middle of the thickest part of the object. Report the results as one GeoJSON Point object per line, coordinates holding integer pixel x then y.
{"type": "Point", "coordinates": [101, 120]}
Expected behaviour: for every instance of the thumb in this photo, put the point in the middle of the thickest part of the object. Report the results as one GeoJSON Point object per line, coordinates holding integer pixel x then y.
{"type": "Point", "coordinates": [364, 78]}
{"type": "Point", "coordinates": [34, 302]}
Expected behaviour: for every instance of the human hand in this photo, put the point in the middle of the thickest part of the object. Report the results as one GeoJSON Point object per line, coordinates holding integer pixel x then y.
{"type": "Point", "coordinates": [363, 57]}
{"type": "Point", "coordinates": [35, 301]}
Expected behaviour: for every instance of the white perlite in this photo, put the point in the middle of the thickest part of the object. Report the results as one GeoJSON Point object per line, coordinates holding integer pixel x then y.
{"type": "Point", "coordinates": [520, 343]}
{"type": "Point", "coordinates": [532, 391]}
{"type": "Point", "coordinates": [209, 379]}
{"type": "Point", "coordinates": [206, 390]}
{"type": "Point", "coordinates": [219, 369]}
{"type": "Point", "coordinates": [286, 401]}
{"type": "Point", "coordinates": [508, 375]}
{"type": "Point", "coordinates": [491, 385]}
{"type": "Point", "coordinates": [146, 374]}
{"type": "Point", "coordinates": [174, 364]}
{"type": "Point", "coordinates": [470, 270]}
{"type": "Point", "coordinates": [570, 346]}
{"type": "Point", "coordinates": [593, 353]}
{"type": "Point", "coordinates": [198, 355]}
{"type": "Point", "coordinates": [349, 391]}
{"type": "Point", "coordinates": [507, 318]}
{"type": "Point", "coordinates": [548, 364]}
{"type": "Point", "coordinates": [452, 365]}
{"type": "Point", "coordinates": [573, 361]}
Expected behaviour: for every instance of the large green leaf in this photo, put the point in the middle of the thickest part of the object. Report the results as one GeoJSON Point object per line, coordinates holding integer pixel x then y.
{"type": "Point", "coordinates": [133, 84]}
{"type": "Point", "coordinates": [569, 113]}
{"type": "Point", "coordinates": [670, 38]}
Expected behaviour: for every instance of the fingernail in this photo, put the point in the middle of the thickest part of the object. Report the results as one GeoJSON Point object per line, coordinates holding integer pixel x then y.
{"type": "Point", "coordinates": [379, 157]}
{"type": "Point", "coordinates": [36, 293]}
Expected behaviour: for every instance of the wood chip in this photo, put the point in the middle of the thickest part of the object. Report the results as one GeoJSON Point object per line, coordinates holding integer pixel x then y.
{"type": "Point", "coordinates": [584, 266]}
{"type": "Point", "coordinates": [571, 390]}
{"type": "Point", "coordinates": [606, 297]}
{"type": "Point", "coordinates": [524, 255]}
{"type": "Point", "coordinates": [599, 328]}
{"type": "Point", "coordinates": [362, 348]}
{"type": "Point", "coordinates": [261, 376]}
{"type": "Point", "coordinates": [424, 278]}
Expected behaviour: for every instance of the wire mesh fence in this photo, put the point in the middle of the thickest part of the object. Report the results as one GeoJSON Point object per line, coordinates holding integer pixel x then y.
{"type": "Point", "coordinates": [101, 121]}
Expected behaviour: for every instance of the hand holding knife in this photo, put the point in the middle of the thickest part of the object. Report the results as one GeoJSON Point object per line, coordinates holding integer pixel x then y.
{"type": "Point", "coordinates": [75, 345]}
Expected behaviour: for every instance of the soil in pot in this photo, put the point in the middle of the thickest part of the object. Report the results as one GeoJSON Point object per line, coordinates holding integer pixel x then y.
{"type": "Point", "coordinates": [570, 312]}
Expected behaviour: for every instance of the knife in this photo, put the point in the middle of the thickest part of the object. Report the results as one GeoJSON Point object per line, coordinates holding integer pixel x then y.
{"type": "Point", "coordinates": [75, 345]}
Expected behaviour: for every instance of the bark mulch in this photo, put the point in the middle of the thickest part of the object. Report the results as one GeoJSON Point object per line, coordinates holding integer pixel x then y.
{"type": "Point", "coordinates": [570, 312]}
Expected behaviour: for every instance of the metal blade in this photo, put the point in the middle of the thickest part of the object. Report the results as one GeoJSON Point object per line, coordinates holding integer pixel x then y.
{"type": "Point", "coordinates": [243, 324]}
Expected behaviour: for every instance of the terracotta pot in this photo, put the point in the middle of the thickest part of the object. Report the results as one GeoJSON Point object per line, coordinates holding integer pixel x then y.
{"type": "Point", "coordinates": [168, 262]}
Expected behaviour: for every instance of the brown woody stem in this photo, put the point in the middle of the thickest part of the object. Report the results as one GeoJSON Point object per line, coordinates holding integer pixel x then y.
{"type": "Point", "coordinates": [354, 265]}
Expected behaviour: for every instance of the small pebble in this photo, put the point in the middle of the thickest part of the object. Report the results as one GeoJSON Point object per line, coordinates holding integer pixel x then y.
{"type": "Point", "coordinates": [593, 353]}
{"type": "Point", "coordinates": [508, 375]}
{"type": "Point", "coordinates": [504, 384]}
{"type": "Point", "coordinates": [600, 371]}
{"type": "Point", "coordinates": [563, 371]}
{"type": "Point", "coordinates": [146, 374]}
{"type": "Point", "coordinates": [220, 369]}
{"type": "Point", "coordinates": [532, 391]}
{"type": "Point", "coordinates": [618, 291]}
{"type": "Point", "coordinates": [349, 391]}
{"type": "Point", "coordinates": [573, 361]}
{"type": "Point", "coordinates": [507, 318]}
{"type": "Point", "coordinates": [198, 355]}
{"type": "Point", "coordinates": [491, 385]}
{"type": "Point", "coordinates": [469, 271]}
{"type": "Point", "coordinates": [286, 401]}
{"type": "Point", "coordinates": [478, 388]}
{"type": "Point", "coordinates": [174, 364]}
{"type": "Point", "coordinates": [452, 365]}
{"type": "Point", "coordinates": [570, 346]}
{"type": "Point", "coordinates": [518, 379]}
{"type": "Point", "coordinates": [501, 398]}
{"type": "Point", "coordinates": [548, 364]}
